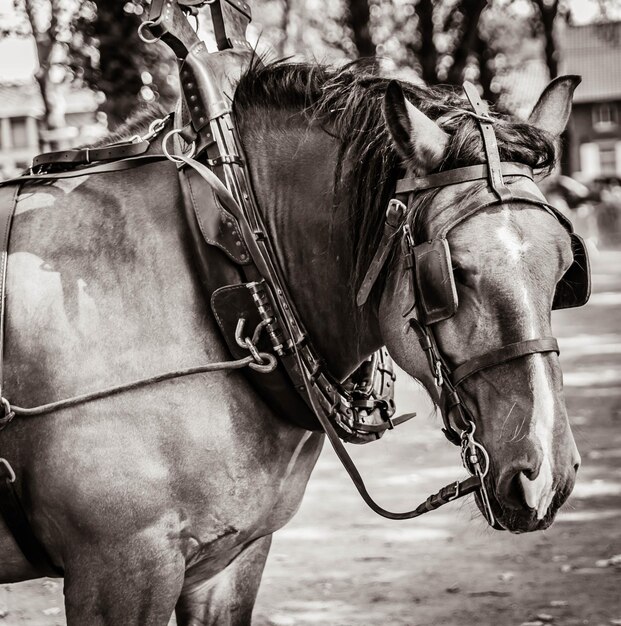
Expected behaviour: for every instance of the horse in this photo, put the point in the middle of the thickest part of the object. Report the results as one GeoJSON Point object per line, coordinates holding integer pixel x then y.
{"type": "Point", "coordinates": [164, 498]}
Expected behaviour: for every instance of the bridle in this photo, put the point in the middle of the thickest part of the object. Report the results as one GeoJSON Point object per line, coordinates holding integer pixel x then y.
{"type": "Point", "coordinates": [435, 295]}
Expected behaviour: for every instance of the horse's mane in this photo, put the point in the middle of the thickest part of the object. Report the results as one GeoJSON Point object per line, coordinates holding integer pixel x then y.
{"type": "Point", "coordinates": [347, 102]}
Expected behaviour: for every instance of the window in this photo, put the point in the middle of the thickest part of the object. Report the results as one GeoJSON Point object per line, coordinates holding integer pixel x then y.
{"type": "Point", "coordinates": [605, 116]}
{"type": "Point", "coordinates": [20, 132]}
{"type": "Point", "coordinates": [608, 159]}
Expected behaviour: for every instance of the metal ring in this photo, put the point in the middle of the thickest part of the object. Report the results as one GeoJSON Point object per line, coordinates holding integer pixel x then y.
{"type": "Point", "coordinates": [267, 365]}
{"type": "Point", "coordinates": [6, 405]}
{"type": "Point", "coordinates": [172, 157]}
{"type": "Point", "coordinates": [143, 25]}
{"type": "Point", "coordinates": [11, 474]}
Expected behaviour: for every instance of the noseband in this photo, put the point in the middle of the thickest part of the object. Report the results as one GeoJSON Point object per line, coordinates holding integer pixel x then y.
{"type": "Point", "coordinates": [434, 285]}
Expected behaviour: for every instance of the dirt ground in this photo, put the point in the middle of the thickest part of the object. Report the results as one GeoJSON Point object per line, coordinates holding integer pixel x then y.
{"type": "Point", "coordinates": [339, 564]}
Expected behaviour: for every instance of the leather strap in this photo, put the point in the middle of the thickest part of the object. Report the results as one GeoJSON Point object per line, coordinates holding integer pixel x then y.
{"type": "Point", "coordinates": [8, 200]}
{"type": "Point", "coordinates": [85, 156]}
{"type": "Point", "coordinates": [395, 214]}
{"type": "Point", "coordinates": [490, 143]}
{"type": "Point", "coordinates": [389, 424]}
{"type": "Point", "coordinates": [105, 168]}
{"type": "Point", "coordinates": [460, 175]}
{"type": "Point", "coordinates": [486, 198]}
{"type": "Point", "coordinates": [503, 355]}
{"type": "Point", "coordinates": [445, 495]}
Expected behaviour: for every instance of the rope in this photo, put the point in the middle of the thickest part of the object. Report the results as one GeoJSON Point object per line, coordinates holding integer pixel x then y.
{"type": "Point", "coordinates": [136, 384]}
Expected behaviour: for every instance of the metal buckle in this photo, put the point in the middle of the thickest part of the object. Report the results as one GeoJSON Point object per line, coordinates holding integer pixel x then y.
{"type": "Point", "coordinates": [437, 375]}
{"type": "Point", "coordinates": [395, 212]}
{"type": "Point", "coordinates": [407, 233]}
{"type": "Point", "coordinates": [457, 492]}
{"type": "Point", "coordinates": [9, 470]}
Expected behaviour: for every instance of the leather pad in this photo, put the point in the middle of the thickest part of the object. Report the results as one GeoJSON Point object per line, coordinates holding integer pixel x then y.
{"type": "Point", "coordinates": [437, 294]}
{"type": "Point", "coordinates": [232, 302]}
{"type": "Point", "coordinates": [574, 289]}
{"type": "Point", "coordinates": [218, 227]}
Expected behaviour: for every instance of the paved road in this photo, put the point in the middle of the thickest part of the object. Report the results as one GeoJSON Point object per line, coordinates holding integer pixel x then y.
{"type": "Point", "coordinates": [338, 564]}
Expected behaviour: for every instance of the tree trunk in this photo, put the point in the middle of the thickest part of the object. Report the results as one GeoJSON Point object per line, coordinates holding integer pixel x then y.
{"type": "Point", "coordinates": [471, 12]}
{"type": "Point", "coordinates": [358, 17]}
{"type": "Point", "coordinates": [284, 28]}
{"type": "Point", "coordinates": [426, 54]}
{"type": "Point", "coordinates": [481, 48]}
{"type": "Point", "coordinates": [53, 100]}
{"type": "Point", "coordinates": [547, 15]}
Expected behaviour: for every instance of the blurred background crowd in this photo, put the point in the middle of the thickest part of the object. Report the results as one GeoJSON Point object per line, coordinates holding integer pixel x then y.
{"type": "Point", "coordinates": [72, 70]}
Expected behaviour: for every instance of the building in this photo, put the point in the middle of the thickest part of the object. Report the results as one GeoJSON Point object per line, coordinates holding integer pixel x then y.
{"type": "Point", "coordinates": [21, 135]}
{"type": "Point", "coordinates": [594, 52]}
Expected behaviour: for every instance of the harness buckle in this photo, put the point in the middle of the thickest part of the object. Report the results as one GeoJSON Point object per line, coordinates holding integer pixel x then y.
{"type": "Point", "coordinates": [456, 494]}
{"type": "Point", "coordinates": [438, 377]}
{"type": "Point", "coordinates": [395, 212]}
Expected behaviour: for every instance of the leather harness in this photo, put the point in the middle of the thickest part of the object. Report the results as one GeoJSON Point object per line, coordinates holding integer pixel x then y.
{"type": "Point", "coordinates": [258, 296]}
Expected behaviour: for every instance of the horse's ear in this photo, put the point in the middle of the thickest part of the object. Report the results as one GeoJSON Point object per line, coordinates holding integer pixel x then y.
{"type": "Point", "coordinates": [419, 140]}
{"type": "Point", "coordinates": [551, 113]}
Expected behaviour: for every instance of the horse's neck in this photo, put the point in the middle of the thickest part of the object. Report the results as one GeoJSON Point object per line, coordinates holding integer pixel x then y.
{"type": "Point", "coordinates": [292, 168]}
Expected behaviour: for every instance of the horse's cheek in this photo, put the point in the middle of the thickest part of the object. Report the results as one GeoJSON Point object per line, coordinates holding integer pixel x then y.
{"type": "Point", "coordinates": [396, 298]}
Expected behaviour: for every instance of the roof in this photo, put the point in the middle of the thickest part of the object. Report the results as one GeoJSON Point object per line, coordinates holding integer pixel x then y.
{"type": "Point", "coordinates": [594, 52]}
{"type": "Point", "coordinates": [23, 99]}
{"type": "Point", "coordinates": [20, 100]}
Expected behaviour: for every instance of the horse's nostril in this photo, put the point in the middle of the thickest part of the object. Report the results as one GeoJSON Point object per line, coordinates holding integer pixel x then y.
{"type": "Point", "coordinates": [576, 467]}
{"type": "Point", "coordinates": [512, 491]}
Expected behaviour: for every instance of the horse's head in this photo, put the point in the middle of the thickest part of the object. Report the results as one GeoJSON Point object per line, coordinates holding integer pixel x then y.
{"type": "Point", "coordinates": [507, 260]}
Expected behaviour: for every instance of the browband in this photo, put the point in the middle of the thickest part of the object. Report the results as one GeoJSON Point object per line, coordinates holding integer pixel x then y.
{"type": "Point", "coordinates": [396, 212]}
{"type": "Point", "coordinates": [460, 175]}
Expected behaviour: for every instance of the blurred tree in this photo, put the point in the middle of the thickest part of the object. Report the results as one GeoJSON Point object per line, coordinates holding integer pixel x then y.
{"type": "Point", "coordinates": [358, 20]}
{"type": "Point", "coordinates": [545, 18]}
{"type": "Point", "coordinates": [128, 71]}
{"type": "Point", "coordinates": [93, 44]}
{"type": "Point", "coordinates": [49, 23]}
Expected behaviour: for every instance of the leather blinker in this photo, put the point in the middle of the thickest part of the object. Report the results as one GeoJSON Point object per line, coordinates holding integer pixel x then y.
{"type": "Point", "coordinates": [437, 294]}
{"type": "Point", "coordinates": [574, 289]}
